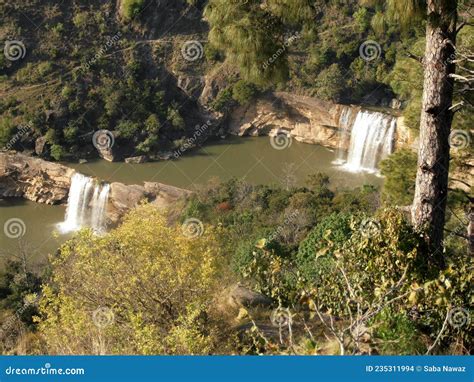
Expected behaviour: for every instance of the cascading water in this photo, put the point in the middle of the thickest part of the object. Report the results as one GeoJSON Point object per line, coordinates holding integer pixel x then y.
{"type": "Point", "coordinates": [371, 141]}
{"type": "Point", "coordinates": [344, 126]}
{"type": "Point", "coordinates": [86, 204]}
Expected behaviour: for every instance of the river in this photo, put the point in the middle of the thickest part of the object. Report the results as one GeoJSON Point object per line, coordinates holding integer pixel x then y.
{"type": "Point", "coordinates": [253, 159]}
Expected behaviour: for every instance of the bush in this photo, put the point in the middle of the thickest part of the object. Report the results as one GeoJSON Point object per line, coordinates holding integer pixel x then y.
{"type": "Point", "coordinates": [243, 92]}
{"type": "Point", "coordinates": [150, 284]}
{"type": "Point", "coordinates": [131, 8]}
{"type": "Point", "coordinates": [317, 249]}
{"type": "Point", "coordinates": [57, 152]}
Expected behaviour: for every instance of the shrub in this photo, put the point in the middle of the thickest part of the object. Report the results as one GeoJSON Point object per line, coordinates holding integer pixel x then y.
{"type": "Point", "coordinates": [243, 92]}
{"type": "Point", "coordinates": [317, 249]}
{"type": "Point", "coordinates": [131, 8]}
{"type": "Point", "coordinates": [57, 152]}
{"type": "Point", "coordinates": [151, 281]}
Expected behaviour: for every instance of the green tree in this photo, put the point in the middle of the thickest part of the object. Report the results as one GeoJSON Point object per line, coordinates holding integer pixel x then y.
{"type": "Point", "coordinates": [330, 83]}
{"type": "Point", "coordinates": [399, 170]}
{"type": "Point", "coordinates": [251, 34]}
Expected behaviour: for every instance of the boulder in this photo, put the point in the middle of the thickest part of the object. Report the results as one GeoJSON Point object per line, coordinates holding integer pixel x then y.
{"type": "Point", "coordinates": [240, 296]}
{"type": "Point", "coordinates": [138, 159]}
{"type": "Point", "coordinates": [123, 198]}
{"type": "Point", "coordinates": [40, 146]}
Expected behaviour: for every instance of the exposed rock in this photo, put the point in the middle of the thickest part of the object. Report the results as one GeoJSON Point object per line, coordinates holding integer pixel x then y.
{"type": "Point", "coordinates": [137, 159]}
{"type": "Point", "coordinates": [306, 119]}
{"type": "Point", "coordinates": [40, 146]}
{"type": "Point", "coordinates": [33, 178]}
{"type": "Point", "coordinates": [240, 296]}
{"type": "Point", "coordinates": [123, 198]}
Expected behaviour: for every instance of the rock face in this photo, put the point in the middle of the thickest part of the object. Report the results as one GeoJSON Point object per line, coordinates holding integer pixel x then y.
{"type": "Point", "coordinates": [41, 181]}
{"type": "Point", "coordinates": [124, 197]}
{"type": "Point", "coordinates": [306, 119]}
{"type": "Point", "coordinates": [33, 178]}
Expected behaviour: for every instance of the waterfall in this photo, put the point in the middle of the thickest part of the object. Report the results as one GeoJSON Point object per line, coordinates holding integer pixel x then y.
{"type": "Point", "coordinates": [344, 127]}
{"type": "Point", "coordinates": [371, 141]}
{"type": "Point", "coordinates": [86, 204]}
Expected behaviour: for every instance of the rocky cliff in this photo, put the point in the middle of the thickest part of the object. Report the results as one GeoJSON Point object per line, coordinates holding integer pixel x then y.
{"type": "Point", "coordinates": [41, 181]}
{"type": "Point", "coordinates": [124, 197]}
{"type": "Point", "coordinates": [306, 119]}
{"type": "Point", "coordinates": [33, 178]}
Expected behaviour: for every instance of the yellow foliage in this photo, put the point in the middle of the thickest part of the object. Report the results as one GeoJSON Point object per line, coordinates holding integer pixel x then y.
{"type": "Point", "coordinates": [125, 292]}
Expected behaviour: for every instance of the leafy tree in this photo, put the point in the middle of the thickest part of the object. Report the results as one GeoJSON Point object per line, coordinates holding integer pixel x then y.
{"type": "Point", "coordinates": [149, 284]}
{"type": "Point", "coordinates": [251, 34]}
{"type": "Point", "coordinates": [330, 83]}
{"type": "Point", "coordinates": [399, 170]}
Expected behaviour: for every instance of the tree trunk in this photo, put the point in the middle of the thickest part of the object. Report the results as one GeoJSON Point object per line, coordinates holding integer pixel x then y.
{"type": "Point", "coordinates": [429, 205]}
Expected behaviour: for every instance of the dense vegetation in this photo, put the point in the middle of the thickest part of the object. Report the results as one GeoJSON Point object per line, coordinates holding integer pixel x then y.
{"type": "Point", "coordinates": [150, 287]}
{"type": "Point", "coordinates": [344, 270]}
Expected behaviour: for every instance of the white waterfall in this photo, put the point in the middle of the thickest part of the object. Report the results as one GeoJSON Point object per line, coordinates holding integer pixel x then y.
{"type": "Point", "coordinates": [344, 127]}
{"type": "Point", "coordinates": [86, 205]}
{"type": "Point", "coordinates": [371, 141]}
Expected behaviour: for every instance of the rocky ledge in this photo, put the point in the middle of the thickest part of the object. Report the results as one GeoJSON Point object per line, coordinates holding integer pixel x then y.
{"type": "Point", "coordinates": [46, 182]}
{"type": "Point", "coordinates": [124, 197]}
{"type": "Point", "coordinates": [34, 179]}
{"type": "Point", "coordinates": [306, 119]}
